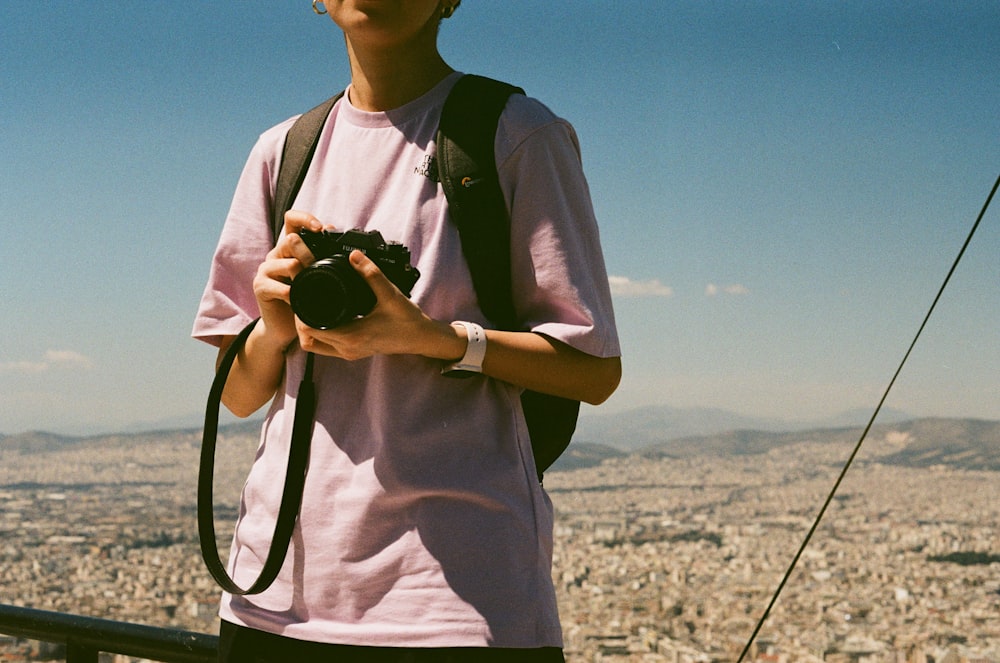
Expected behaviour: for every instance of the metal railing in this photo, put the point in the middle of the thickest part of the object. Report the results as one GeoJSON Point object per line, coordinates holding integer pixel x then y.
{"type": "Point", "coordinates": [86, 637]}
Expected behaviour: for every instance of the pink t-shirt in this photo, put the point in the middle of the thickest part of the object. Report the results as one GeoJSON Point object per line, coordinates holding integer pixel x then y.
{"type": "Point", "coordinates": [422, 523]}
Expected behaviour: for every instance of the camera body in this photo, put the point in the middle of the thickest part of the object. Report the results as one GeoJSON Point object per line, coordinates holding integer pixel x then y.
{"type": "Point", "coordinates": [329, 292]}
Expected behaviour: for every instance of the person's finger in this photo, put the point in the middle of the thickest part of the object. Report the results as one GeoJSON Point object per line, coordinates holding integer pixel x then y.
{"type": "Point", "coordinates": [273, 277]}
{"type": "Point", "coordinates": [296, 220]}
{"type": "Point", "coordinates": [376, 280]}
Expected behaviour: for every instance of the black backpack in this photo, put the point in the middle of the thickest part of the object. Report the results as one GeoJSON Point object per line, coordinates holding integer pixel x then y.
{"type": "Point", "coordinates": [467, 170]}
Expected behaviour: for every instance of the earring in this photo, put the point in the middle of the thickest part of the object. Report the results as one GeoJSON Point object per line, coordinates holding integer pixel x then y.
{"type": "Point", "coordinates": [447, 11]}
{"type": "Point", "coordinates": [316, 4]}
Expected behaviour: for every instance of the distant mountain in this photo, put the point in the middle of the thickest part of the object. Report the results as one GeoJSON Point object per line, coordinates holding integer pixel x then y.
{"type": "Point", "coordinates": [658, 433]}
{"type": "Point", "coordinates": [965, 443]}
{"type": "Point", "coordinates": [644, 427]}
{"type": "Point", "coordinates": [584, 454]}
{"type": "Point", "coordinates": [193, 420]}
{"type": "Point", "coordinates": [858, 417]}
{"type": "Point", "coordinates": [745, 442]}
{"type": "Point", "coordinates": [36, 442]}
{"type": "Point", "coordinates": [627, 430]}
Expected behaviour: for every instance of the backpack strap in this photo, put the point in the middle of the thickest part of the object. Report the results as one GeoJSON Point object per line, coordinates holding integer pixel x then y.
{"type": "Point", "coordinates": [300, 146]}
{"type": "Point", "coordinates": [467, 167]}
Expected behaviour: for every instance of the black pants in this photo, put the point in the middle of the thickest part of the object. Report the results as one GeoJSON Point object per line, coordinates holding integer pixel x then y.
{"type": "Point", "coordinates": [238, 644]}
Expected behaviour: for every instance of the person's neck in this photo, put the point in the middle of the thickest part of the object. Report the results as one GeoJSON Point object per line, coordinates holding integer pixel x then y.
{"type": "Point", "coordinates": [385, 79]}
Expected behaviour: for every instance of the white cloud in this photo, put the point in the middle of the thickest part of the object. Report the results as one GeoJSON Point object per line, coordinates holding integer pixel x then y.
{"type": "Point", "coordinates": [623, 286]}
{"type": "Point", "coordinates": [734, 289]}
{"type": "Point", "coordinates": [51, 360]}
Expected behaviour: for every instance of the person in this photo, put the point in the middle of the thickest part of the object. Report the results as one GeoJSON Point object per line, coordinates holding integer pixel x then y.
{"type": "Point", "coordinates": [424, 533]}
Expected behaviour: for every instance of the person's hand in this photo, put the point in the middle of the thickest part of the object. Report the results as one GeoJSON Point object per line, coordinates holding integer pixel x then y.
{"type": "Point", "coordinates": [274, 276]}
{"type": "Point", "coordinates": [396, 325]}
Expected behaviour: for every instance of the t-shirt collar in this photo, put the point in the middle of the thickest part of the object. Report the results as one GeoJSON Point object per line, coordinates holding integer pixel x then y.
{"type": "Point", "coordinates": [401, 115]}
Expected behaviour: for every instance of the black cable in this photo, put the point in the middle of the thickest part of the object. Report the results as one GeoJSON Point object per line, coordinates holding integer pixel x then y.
{"type": "Point", "coordinates": [864, 434]}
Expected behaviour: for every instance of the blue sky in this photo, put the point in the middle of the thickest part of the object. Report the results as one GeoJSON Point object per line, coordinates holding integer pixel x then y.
{"type": "Point", "coordinates": [781, 189]}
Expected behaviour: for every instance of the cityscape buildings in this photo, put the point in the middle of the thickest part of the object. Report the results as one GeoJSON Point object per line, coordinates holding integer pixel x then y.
{"type": "Point", "coordinates": [656, 559]}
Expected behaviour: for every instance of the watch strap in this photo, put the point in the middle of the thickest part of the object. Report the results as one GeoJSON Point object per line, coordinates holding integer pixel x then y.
{"type": "Point", "coordinates": [475, 351]}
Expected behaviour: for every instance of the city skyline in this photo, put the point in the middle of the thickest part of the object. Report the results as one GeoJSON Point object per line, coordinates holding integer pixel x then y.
{"type": "Point", "coordinates": [654, 555]}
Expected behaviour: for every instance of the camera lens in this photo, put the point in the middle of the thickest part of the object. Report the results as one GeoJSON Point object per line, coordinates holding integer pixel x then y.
{"type": "Point", "coordinates": [329, 293]}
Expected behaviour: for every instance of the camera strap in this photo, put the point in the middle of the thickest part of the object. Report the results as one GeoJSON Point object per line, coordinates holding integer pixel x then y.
{"type": "Point", "coordinates": [295, 475]}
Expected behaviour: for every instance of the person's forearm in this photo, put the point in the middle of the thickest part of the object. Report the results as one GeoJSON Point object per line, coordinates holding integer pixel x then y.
{"type": "Point", "coordinates": [256, 372]}
{"type": "Point", "coordinates": [542, 364]}
{"type": "Point", "coordinates": [398, 326]}
{"type": "Point", "coordinates": [526, 359]}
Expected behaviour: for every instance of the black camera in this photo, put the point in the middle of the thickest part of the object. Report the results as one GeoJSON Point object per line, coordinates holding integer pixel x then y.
{"type": "Point", "coordinates": [329, 292]}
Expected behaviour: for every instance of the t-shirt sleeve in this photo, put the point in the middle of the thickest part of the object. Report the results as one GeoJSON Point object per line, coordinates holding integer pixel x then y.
{"type": "Point", "coordinates": [560, 282]}
{"type": "Point", "coordinates": [228, 303]}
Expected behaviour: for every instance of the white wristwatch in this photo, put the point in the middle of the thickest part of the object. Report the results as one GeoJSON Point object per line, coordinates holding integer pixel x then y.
{"type": "Point", "coordinates": [475, 351]}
